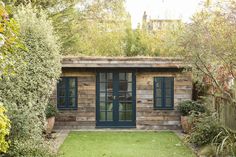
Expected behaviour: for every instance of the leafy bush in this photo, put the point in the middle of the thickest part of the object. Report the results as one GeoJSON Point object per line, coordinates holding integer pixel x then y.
{"type": "Point", "coordinates": [26, 92]}
{"type": "Point", "coordinates": [186, 107]}
{"type": "Point", "coordinates": [205, 129]}
{"type": "Point", "coordinates": [8, 40]}
{"type": "Point", "coordinates": [4, 129]}
{"type": "Point", "coordinates": [50, 111]}
{"type": "Point", "coordinates": [225, 142]}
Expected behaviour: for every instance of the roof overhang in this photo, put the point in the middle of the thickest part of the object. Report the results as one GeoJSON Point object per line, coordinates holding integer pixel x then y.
{"type": "Point", "coordinates": [122, 62]}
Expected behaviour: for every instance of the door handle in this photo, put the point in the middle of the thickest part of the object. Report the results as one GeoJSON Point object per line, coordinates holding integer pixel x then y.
{"type": "Point", "coordinates": [114, 97]}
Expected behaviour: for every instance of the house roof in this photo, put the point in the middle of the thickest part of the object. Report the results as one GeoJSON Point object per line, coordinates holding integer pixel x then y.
{"type": "Point", "coordinates": [122, 62]}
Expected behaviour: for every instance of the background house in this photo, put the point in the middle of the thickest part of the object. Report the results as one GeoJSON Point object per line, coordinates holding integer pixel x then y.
{"type": "Point", "coordinates": [158, 24]}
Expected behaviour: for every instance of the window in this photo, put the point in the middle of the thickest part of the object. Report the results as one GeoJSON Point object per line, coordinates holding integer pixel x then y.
{"type": "Point", "coordinates": [67, 93]}
{"type": "Point", "coordinates": [163, 92]}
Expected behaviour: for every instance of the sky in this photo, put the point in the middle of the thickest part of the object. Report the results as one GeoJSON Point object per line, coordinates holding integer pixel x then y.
{"type": "Point", "coordinates": [170, 9]}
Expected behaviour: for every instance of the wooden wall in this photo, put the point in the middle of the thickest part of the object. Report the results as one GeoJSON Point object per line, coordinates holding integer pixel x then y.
{"type": "Point", "coordinates": [84, 117]}
{"type": "Point", "coordinates": [146, 116]}
{"type": "Point", "coordinates": [149, 118]}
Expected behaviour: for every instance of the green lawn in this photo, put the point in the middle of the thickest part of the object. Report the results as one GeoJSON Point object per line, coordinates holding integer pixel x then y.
{"type": "Point", "coordinates": [124, 144]}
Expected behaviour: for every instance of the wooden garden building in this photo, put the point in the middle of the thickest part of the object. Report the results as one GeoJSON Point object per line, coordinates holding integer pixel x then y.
{"type": "Point", "coordinates": [121, 92]}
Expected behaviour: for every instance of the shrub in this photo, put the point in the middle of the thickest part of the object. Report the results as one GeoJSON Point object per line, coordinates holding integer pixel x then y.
{"type": "Point", "coordinates": [26, 92]}
{"type": "Point", "coordinates": [50, 111]}
{"type": "Point", "coordinates": [4, 130]}
{"type": "Point", "coordinates": [205, 129]}
{"type": "Point", "coordinates": [186, 107]}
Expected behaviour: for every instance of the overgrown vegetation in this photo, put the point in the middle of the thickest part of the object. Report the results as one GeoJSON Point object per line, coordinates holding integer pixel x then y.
{"type": "Point", "coordinates": [50, 111]}
{"type": "Point", "coordinates": [4, 130]}
{"type": "Point", "coordinates": [209, 46]}
{"type": "Point", "coordinates": [25, 92]}
{"type": "Point", "coordinates": [225, 142]}
{"type": "Point", "coordinates": [9, 42]}
{"type": "Point", "coordinates": [187, 107]}
{"type": "Point", "coordinates": [206, 127]}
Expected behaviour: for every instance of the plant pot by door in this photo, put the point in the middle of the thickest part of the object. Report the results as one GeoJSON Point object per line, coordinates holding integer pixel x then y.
{"type": "Point", "coordinates": [50, 125]}
{"type": "Point", "coordinates": [186, 125]}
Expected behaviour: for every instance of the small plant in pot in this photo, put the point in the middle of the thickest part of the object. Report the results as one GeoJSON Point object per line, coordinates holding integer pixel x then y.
{"type": "Point", "coordinates": [186, 108]}
{"type": "Point", "coordinates": [50, 113]}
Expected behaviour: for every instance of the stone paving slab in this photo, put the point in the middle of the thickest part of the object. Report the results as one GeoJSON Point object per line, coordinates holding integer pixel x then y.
{"type": "Point", "coordinates": [58, 139]}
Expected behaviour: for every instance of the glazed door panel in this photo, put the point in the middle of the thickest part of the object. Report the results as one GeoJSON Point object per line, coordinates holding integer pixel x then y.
{"type": "Point", "coordinates": [115, 103]}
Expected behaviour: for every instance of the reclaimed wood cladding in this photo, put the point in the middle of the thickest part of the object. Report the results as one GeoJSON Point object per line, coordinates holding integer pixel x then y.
{"type": "Point", "coordinates": [146, 116]}
{"type": "Point", "coordinates": [84, 116]}
{"type": "Point", "coordinates": [149, 118]}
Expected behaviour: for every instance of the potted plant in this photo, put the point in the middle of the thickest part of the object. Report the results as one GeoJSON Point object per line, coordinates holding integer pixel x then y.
{"type": "Point", "coordinates": [50, 113]}
{"type": "Point", "coordinates": [186, 108]}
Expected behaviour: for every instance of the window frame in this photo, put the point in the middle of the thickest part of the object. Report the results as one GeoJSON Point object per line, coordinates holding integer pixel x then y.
{"type": "Point", "coordinates": [67, 89]}
{"type": "Point", "coordinates": [163, 94]}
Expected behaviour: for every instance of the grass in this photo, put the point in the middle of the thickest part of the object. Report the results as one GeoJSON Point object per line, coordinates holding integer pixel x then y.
{"type": "Point", "coordinates": [124, 144]}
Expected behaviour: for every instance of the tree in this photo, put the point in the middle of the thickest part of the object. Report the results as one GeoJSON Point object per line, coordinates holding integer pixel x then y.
{"type": "Point", "coordinates": [26, 92]}
{"type": "Point", "coordinates": [100, 28]}
{"type": "Point", "coordinates": [162, 42]}
{"type": "Point", "coordinates": [61, 12]}
{"type": "Point", "coordinates": [209, 45]}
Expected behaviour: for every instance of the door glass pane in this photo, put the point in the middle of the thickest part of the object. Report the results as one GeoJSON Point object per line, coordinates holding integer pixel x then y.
{"type": "Point", "coordinates": [129, 106]}
{"type": "Point", "coordinates": [109, 106]}
{"type": "Point", "coordinates": [109, 116]}
{"type": "Point", "coordinates": [103, 87]}
{"type": "Point", "coordinates": [129, 87]}
{"type": "Point", "coordinates": [123, 86]}
{"type": "Point", "coordinates": [128, 96]}
{"type": "Point", "coordinates": [122, 96]}
{"type": "Point", "coordinates": [102, 116]}
{"type": "Point", "coordinates": [109, 87]}
{"type": "Point", "coordinates": [102, 106]}
{"type": "Point", "coordinates": [128, 115]}
{"type": "Point", "coordinates": [109, 77]}
{"type": "Point", "coordinates": [121, 116]}
{"type": "Point", "coordinates": [102, 77]}
{"type": "Point", "coordinates": [121, 106]}
{"type": "Point", "coordinates": [122, 76]}
{"type": "Point", "coordinates": [110, 97]}
{"type": "Point", "coordinates": [103, 97]}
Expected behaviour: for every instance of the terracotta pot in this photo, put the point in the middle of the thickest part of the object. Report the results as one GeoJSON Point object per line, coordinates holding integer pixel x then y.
{"type": "Point", "coordinates": [50, 125]}
{"type": "Point", "coordinates": [186, 125]}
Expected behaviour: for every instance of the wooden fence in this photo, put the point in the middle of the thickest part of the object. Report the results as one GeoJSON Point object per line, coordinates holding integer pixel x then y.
{"type": "Point", "coordinates": [229, 116]}
{"type": "Point", "coordinates": [227, 112]}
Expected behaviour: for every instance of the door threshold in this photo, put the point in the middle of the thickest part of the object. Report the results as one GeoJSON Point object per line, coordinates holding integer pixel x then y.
{"type": "Point", "coordinates": [115, 127]}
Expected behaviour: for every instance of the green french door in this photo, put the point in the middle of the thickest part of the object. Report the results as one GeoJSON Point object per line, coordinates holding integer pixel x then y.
{"type": "Point", "coordinates": [115, 99]}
